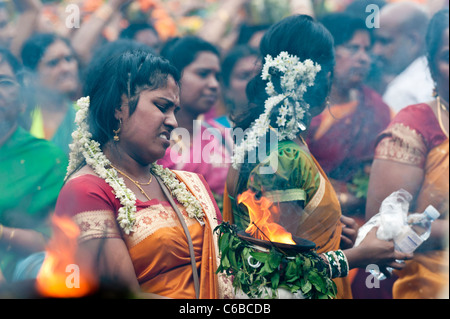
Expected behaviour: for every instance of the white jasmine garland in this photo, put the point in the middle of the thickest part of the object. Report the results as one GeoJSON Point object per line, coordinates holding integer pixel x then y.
{"type": "Point", "coordinates": [84, 148]}
{"type": "Point", "coordinates": [296, 77]}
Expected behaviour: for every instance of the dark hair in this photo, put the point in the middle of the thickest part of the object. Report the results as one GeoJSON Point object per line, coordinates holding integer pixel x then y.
{"type": "Point", "coordinates": [128, 73]}
{"type": "Point", "coordinates": [234, 55]}
{"type": "Point", "coordinates": [436, 28]}
{"type": "Point", "coordinates": [182, 51]}
{"type": "Point", "coordinates": [7, 57]}
{"type": "Point", "coordinates": [130, 31]}
{"type": "Point", "coordinates": [247, 31]}
{"type": "Point", "coordinates": [302, 36]}
{"type": "Point", "coordinates": [343, 26]}
{"type": "Point", "coordinates": [110, 49]}
{"type": "Point", "coordinates": [35, 47]}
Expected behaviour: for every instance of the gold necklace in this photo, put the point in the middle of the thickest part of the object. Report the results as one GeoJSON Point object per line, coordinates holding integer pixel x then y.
{"type": "Point", "coordinates": [138, 184]}
{"type": "Point", "coordinates": [440, 106]}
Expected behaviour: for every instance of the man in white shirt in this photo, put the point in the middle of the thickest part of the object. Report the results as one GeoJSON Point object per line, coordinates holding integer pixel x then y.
{"type": "Point", "coordinates": [400, 52]}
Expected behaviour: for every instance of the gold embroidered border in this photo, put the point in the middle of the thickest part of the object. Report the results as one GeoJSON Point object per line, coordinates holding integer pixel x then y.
{"type": "Point", "coordinates": [193, 181]}
{"type": "Point", "coordinates": [288, 195]}
{"type": "Point", "coordinates": [402, 144]}
{"type": "Point", "coordinates": [153, 218]}
{"type": "Point", "coordinates": [96, 224]}
{"type": "Point", "coordinates": [316, 199]}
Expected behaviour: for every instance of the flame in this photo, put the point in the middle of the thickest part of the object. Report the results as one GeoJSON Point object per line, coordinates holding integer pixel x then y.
{"type": "Point", "coordinates": [59, 276]}
{"type": "Point", "coordinates": [263, 219]}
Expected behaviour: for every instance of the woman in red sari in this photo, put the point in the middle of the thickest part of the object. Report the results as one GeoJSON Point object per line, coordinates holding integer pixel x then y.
{"type": "Point", "coordinates": [412, 153]}
{"type": "Point", "coordinates": [146, 228]}
{"type": "Point", "coordinates": [342, 137]}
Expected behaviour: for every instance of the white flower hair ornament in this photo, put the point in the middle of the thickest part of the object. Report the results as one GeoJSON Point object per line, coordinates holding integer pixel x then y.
{"type": "Point", "coordinates": [294, 77]}
{"type": "Point", "coordinates": [83, 148]}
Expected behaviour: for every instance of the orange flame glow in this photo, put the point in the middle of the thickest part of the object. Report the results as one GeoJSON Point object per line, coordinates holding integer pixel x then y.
{"type": "Point", "coordinates": [59, 276]}
{"type": "Point", "coordinates": [263, 219]}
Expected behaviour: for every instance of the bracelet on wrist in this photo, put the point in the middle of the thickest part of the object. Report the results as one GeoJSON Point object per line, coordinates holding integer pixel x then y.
{"type": "Point", "coordinates": [337, 263]}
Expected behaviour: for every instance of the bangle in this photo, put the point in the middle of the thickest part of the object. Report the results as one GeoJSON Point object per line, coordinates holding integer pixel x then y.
{"type": "Point", "coordinates": [337, 263]}
{"type": "Point", "coordinates": [10, 239]}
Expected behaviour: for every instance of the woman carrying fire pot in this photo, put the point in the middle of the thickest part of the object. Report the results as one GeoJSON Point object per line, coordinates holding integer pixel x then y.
{"type": "Point", "coordinates": [291, 89]}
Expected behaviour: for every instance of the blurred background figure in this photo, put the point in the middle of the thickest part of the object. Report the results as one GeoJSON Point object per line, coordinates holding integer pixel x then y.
{"type": "Point", "coordinates": [239, 66]}
{"type": "Point", "coordinates": [342, 137]}
{"type": "Point", "coordinates": [54, 67]}
{"type": "Point", "coordinates": [143, 33]}
{"type": "Point", "coordinates": [32, 171]}
{"type": "Point", "coordinates": [199, 63]}
{"type": "Point", "coordinates": [400, 52]}
{"type": "Point", "coordinates": [18, 20]}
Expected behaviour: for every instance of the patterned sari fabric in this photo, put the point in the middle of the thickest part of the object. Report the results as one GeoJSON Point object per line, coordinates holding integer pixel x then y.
{"type": "Point", "coordinates": [342, 137]}
{"type": "Point", "coordinates": [32, 173]}
{"type": "Point", "coordinates": [415, 138]}
{"type": "Point", "coordinates": [158, 248]}
{"type": "Point", "coordinates": [298, 177]}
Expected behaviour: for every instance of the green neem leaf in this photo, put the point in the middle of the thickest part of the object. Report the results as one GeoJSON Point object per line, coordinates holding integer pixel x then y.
{"type": "Point", "coordinates": [274, 259]}
{"type": "Point", "coordinates": [291, 271]}
{"type": "Point", "coordinates": [259, 256]}
{"type": "Point", "coordinates": [224, 242]}
{"type": "Point", "coordinates": [225, 261]}
{"type": "Point", "coordinates": [306, 286]}
{"type": "Point", "coordinates": [275, 280]}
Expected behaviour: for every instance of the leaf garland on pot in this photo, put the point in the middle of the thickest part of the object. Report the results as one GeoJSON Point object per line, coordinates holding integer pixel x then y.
{"type": "Point", "coordinates": [259, 274]}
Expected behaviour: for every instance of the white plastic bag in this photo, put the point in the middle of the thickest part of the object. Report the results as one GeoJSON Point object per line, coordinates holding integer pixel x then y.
{"type": "Point", "coordinates": [391, 218]}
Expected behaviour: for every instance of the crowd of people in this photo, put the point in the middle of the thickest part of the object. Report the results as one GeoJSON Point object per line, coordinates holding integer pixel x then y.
{"type": "Point", "coordinates": [129, 125]}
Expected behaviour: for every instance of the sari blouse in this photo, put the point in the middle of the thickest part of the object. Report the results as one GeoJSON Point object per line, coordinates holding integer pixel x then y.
{"type": "Point", "coordinates": [415, 138]}
{"type": "Point", "coordinates": [158, 247]}
{"type": "Point", "coordinates": [297, 177]}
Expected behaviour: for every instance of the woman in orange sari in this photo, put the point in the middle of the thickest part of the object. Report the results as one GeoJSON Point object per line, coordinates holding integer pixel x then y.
{"type": "Point", "coordinates": [292, 88]}
{"type": "Point", "coordinates": [412, 153]}
{"type": "Point", "coordinates": [144, 227]}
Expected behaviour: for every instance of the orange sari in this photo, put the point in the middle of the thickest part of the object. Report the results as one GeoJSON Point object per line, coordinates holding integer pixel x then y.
{"type": "Point", "coordinates": [158, 247]}
{"type": "Point", "coordinates": [414, 137]}
{"type": "Point", "coordinates": [321, 216]}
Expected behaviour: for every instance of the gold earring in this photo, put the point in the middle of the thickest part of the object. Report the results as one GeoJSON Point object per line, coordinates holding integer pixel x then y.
{"type": "Point", "coordinates": [116, 132]}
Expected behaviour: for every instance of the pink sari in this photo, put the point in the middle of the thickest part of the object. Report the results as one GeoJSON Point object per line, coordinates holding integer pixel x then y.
{"type": "Point", "coordinates": [208, 155]}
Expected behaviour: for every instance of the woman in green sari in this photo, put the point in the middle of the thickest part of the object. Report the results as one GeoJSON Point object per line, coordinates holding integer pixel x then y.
{"type": "Point", "coordinates": [32, 172]}
{"type": "Point", "coordinates": [291, 89]}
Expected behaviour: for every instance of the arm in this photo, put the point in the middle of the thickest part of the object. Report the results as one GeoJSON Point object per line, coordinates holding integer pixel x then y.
{"type": "Point", "coordinates": [30, 11]}
{"type": "Point", "coordinates": [88, 34]}
{"type": "Point", "coordinates": [108, 259]}
{"type": "Point", "coordinates": [387, 177]}
{"type": "Point", "coordinates": [25, 241]}
{"type": "Point", "coordinates": [375, 251]}
{"type": "Point", "coordinates": [215, 27]}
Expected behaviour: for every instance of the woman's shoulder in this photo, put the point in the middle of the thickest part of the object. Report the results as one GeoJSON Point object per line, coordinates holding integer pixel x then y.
{"type": "Point", "coordinates": [288, 160]}
{"type": "Point", "coordinates": [421, 119]}
{"type": "Point", "coordinates": [291, 151]}
{"type": "Point", "coordinates": [85, 186]}
{"type": "Point", "coordinates": [86, 193]}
